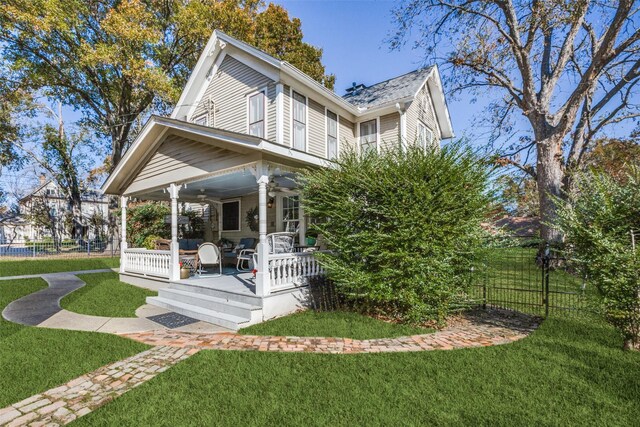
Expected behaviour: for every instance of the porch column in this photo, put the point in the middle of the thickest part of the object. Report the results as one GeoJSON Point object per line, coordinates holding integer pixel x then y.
{"type": "Point", "coordinates": [123, 232]}
{"type": "Point", "coordinates": [302, 225]}
{"type": "Point", "coordinates": [174, 271]}
{"type": "Point", "coordinates": [262, 275]}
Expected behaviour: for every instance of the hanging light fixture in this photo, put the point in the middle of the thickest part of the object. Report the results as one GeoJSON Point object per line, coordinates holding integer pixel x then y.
{"type": "Point", "coordinates": [270, 203]}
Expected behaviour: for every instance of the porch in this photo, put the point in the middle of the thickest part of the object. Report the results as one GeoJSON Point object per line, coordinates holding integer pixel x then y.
{"type": "Point", "coordinates": [246, 188]}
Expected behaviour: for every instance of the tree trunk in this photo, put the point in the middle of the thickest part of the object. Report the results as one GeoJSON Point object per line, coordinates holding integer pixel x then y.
{"type": "Point", "coordinates": [550, 174]}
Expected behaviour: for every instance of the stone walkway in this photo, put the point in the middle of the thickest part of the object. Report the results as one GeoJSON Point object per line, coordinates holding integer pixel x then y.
{"type": "Point", "coordinates": [78, 397]}
{"type": "Point", "coordinates": [42, 309]}
{"type": "Point", "coordinates": [501, 327]}
{"type": "Point", "coordinates": [37, 307]}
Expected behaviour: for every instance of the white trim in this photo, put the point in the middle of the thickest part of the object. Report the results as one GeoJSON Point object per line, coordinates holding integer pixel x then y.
{"type": "Point", "coordinates": [265, 111]}
{"type": "Point", "coordinates": [403, 129]}
{"type": "Point", "coordinates": [279, 113]}
{"type": "Point", "coordinates": [222, 202]}
{"type": "Point", "coordinates": [326, 133]}
{"type": "Point", "coordinates": [423, 124]}
{"type": "Point", "coordinates": [306, 125]}
{"type": "Point", "coordinates": [204, 116]}
{"type": "Point", "coordinates": [359, 142]}
{"type": "Point", "coordinates": [205, 85]}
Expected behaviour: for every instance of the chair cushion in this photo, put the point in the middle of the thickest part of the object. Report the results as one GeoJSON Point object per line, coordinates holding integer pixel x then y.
{"type": "Point", "coordinates": [248, 242]}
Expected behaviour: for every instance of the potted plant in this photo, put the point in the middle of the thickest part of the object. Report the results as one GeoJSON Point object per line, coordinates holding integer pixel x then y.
{"type": "Point", "coordinates": [185, 271]}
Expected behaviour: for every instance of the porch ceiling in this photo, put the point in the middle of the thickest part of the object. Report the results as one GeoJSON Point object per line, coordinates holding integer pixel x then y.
{"type": "Point", "coordinates": [235, 184]}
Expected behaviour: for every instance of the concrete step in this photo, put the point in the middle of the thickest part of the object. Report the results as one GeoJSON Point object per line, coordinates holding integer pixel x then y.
{"type": "Point", "coordinates": [225, 320]}
{"type": "Point", "coordinates": [217, 304]}
{"type": "Point", "coordinates": [228, 295]}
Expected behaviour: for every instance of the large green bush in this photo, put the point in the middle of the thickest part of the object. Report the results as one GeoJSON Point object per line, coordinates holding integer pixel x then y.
{"type": "Point", "coordinates": [598, 222]}
{"type": "Point", "coordinates": [401, 226]}
{"type": "Point", "coordinates": [147, 219]}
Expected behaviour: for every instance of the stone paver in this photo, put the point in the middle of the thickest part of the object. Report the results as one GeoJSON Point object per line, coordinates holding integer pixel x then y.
{"type": "Point", "coordinates": [78, 397]}
{"type": "Point", "coordinates": [499, 328]}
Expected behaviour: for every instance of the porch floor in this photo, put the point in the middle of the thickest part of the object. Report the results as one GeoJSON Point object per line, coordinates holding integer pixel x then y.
{"type": "Point", "coordinates": [230, 281]}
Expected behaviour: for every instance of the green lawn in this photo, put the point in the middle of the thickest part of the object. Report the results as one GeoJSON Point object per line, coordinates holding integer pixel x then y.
{"type": "Point", "coordinates": [332, 324]}
{"type": "Point", "coordinates": [41, 266]}
{"type": "Point", "coordinates": [105, 295]}
{"type": "Point", "coordinates": [33, 360]}
{"type": "Point", "coordinates": [569, 372]}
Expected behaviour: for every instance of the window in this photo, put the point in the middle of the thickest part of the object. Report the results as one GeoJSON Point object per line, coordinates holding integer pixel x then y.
{"type": "Point", "coordinates": [256, 115]}
{"type": "Point", "coordinates": [299, 122]}
{"type": "Point", "coordinates": [332, 135]}
{"type": "Point", "coordinates": [368, 136]}
{"type": "Point", "coordinates": [425, 136]}
{"type": "Point", "coordinates": [231, 216]}
{"type": "Point", "coordinates": [201, 119]}
{"type": "Point", "coordinates": [290, 213]}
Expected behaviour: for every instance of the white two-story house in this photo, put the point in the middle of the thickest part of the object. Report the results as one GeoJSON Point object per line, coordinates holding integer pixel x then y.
{"type": "Point", "coordinates": [244, 125]}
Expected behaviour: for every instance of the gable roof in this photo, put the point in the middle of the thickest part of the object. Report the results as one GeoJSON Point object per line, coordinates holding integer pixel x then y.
{"type": "Point", "coordinates": [394, 89]}
{"type": "Point", "coordinates": [378, 96]}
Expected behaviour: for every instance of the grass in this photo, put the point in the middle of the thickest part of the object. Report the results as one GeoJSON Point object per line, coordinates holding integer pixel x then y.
{"type": "Point", "coordinates": [332, 324]}
{"type": "Point", "coordinates": [42, 266]}
{"type": "Point", "coordinates": [33, 360]}
{"type": "Point", "coordinates": [105, 295]}
{"type": "Point", "coordinates": [569, 372]}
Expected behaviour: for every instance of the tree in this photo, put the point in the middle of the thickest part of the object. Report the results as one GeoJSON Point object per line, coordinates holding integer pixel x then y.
{"type": "Point", "coordinates": [65, 156]}
{"type": "Point", "coordinates": [571, 68]}
{"type": "Point", "coordinates": [614, 157]}
{"type": "Point", "coordinates": [119, 60]}
{"type": "Point", "coordinates": [402, 227]}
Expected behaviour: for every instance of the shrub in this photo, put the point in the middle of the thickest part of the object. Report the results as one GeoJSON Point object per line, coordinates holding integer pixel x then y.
{"type": "Point", "coordinates": [150, 241]}
{"type": "Point", "coordinates": [147, 219]}
{"type": "Point", "coordinates": [400, 226]}
{"type": "Point", "coordinates": [598, 222]}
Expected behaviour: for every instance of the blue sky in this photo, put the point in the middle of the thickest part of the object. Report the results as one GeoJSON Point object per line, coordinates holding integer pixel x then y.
{"type": "Point", "coordinates": [352, 35]}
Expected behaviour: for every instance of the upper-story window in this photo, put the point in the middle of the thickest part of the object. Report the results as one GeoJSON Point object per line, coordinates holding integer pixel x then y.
{"type": "Point", "coordinates": [332, 135]}
{"type": "Point", "coordinates": [299, 122]}
{"type": "Point", "coordinates": [256, 114]}
{"type": "Point", "coordinates": [202, 119]}
{"type": "Point", "coordinates": [425, 135]}
{"type": "Point", "coordinates": [369, 136]}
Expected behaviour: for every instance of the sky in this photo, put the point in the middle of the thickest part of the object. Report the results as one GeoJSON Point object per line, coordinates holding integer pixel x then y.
{"type": "Point", "coordinates": [352, 35]}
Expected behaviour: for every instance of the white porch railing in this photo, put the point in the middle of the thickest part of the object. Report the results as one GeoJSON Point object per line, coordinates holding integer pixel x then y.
{"type": "Point", "coordinates": [293, 269]}
{"type": "Point", "coordinates": [148, 262]}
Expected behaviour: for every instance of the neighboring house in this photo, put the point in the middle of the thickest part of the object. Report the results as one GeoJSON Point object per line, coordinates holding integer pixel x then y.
{"type": "Point", "coordinates": [47, 194]}
{"type": "Point", "coordinates": [244, 125]}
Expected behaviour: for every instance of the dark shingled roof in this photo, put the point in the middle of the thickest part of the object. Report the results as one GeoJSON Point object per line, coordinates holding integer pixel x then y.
{"type": "Point", "coordinates": [390, 90]}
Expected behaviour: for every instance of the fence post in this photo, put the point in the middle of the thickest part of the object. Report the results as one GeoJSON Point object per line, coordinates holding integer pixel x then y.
{"type": "Point", "coordinates": [88, 246]}
{"type": "Point", "coordinates": [34, 249]}
{"type": "Point", "coordinates": [545, 278]}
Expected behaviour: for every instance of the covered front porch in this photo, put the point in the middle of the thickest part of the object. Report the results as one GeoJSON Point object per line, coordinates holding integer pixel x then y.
{"type": "Point", "coordinates": [244, 187]}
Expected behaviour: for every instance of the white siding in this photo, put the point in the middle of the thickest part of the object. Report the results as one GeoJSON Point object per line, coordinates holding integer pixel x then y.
{"type": "Point", "coordinates": [228, 90]}
{"type": "Point", "coordinates": [421, 109]}
{"type": "Point", "coordinates": [346, 134]}
{"type": "Point", "coordinates": [389, 130]}
{"type": "Point", "coordinates": [286, 131]}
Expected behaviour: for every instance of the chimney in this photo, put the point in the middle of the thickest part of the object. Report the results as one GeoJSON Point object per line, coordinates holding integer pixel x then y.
{"type": "Point", "coordinates": [43, 179]}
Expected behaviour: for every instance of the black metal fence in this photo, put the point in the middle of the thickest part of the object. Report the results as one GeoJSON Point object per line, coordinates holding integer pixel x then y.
{"type": "Point", "coordinates": [519, 277]}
